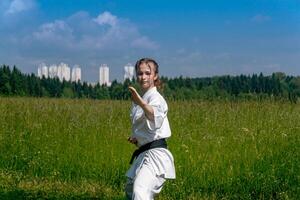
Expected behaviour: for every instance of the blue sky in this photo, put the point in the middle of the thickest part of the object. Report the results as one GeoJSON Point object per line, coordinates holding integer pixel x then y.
{"type": "Point", "coordinates": [188, 38]}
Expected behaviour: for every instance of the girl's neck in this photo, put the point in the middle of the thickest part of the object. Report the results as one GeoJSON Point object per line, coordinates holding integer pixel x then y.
{"type": "Point", "coordinates": [145, 91]}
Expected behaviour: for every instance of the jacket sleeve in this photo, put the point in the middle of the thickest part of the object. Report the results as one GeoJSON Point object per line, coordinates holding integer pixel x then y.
{"type": "Point", "coordinates": [160, 109]}
{"type": "Point", "coordinates": [137, 114]}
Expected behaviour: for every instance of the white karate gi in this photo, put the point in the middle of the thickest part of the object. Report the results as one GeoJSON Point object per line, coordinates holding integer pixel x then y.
{"type": "Point", "coordinates": [150, 169]}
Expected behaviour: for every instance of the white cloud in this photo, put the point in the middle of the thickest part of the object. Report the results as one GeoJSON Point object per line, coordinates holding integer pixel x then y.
{"type": "Point", "coordinates": [17, 6]}
{"type": "Point", "coordinates": [259, 18]}
{"type": "Point", "coordinates": [273, 67]}
{"type": "Point", "coordinates": [82, 32]}
{"type": "Point", "coordinates": [181, 51]}
{"type": "Point", "coordinates": [144, 43]}
{"type": "Point", "coordinates": [53, 31]}
{"type": "Point", "coordinates": [106, 18]}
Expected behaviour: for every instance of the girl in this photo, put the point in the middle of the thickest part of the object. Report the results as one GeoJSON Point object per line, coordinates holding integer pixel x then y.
{"type": "Point", "coordinates": [152, 162]}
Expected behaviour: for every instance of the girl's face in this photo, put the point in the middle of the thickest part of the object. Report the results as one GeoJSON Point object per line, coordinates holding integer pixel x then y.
{"type": "Point", "coordinates": [146, 76]}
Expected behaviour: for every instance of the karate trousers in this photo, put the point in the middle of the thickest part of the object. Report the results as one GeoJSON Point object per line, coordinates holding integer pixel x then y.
{"type": "Point", "coordinates": [145, 185]}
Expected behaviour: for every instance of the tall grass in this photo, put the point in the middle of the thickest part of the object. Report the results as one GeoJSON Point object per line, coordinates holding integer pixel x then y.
{"type": "Point", "coordinates": [63, 149]}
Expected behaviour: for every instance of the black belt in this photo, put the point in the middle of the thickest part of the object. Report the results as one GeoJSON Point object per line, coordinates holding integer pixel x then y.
{"type": "Point", "coordinates": [161, 143]}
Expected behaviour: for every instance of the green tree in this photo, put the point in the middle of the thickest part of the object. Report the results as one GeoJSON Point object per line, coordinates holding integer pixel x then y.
{"type": "Point", "coordinates": [17, 82]}
{"type": "Point", "coordinates": [5, 87]}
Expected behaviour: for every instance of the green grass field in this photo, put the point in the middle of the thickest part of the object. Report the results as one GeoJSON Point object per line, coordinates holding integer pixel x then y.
{"type": "Point", "coordinates": [71, 149]}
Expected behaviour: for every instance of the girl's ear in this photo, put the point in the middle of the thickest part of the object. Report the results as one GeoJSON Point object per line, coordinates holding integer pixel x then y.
{"type": "Point", "coordinates": [155, 76]}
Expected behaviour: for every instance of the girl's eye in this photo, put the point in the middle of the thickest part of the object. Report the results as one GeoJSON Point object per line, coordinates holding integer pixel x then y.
{"type": "Point", "coordinates": [146, 73]}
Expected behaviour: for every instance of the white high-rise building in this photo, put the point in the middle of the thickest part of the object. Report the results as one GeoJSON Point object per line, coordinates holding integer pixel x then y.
{"type": "Point", "coordinates": [76, 73]}
{"type": "Point", "coordinates": [58, 73]}
{"type": "Point", "coordinates": [128, 72]}
{"type": "Point", "coordinates": [104, 75]}
{"type": "Point", "coordinates": [53, 71]}
{"type": "Point", "coordinates": [43, 70]}
{"type": "Point", "coordinates": [63, 72]}
{"type": "Point", "coordinates": [39, 72]}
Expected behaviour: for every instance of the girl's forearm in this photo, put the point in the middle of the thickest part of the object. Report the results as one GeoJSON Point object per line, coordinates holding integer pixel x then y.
{"type": "Point", "coordinates": [136, 98]}
{"type": "Point", "coordinates": [149, 112]}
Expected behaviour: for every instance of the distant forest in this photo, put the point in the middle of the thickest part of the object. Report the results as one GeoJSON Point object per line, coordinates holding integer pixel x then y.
{"type": "Point", "coordinates": [277, 86]}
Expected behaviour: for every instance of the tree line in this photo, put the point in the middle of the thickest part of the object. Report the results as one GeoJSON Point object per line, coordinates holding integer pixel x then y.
{"type": "Point", "coordinates": [276, 86]}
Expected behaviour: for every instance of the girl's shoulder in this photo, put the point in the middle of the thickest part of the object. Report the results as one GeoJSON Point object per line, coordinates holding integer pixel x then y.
{"type": "Point", "coordinates": [157, 97]}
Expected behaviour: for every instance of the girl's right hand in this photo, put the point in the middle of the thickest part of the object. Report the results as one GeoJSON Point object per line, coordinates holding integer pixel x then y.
{"type": "Point", "coordinates": [132, 140]}
{"type": "Point", "coordinates": [136, 98]}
